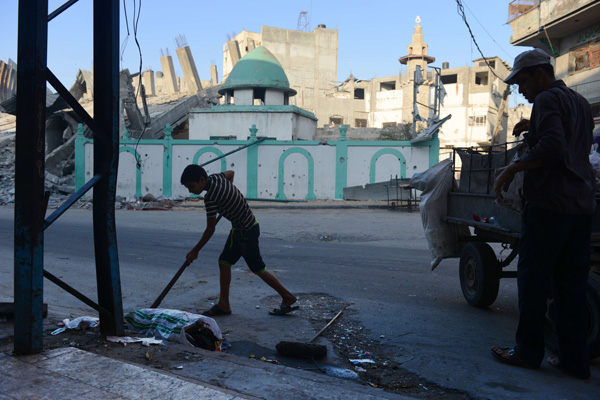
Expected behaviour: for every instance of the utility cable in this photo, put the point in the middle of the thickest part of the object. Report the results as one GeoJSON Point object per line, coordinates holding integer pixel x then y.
{"type": "Point", "coordinates": [461, 12]}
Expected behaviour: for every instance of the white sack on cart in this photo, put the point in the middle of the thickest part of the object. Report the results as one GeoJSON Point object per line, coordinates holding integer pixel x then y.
{"type": "Point", "coordinates": [435, 184]}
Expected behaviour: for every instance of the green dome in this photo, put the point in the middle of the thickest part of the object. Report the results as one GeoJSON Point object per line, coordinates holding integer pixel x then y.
{"type": "Point", "coordinates": [257, 69]}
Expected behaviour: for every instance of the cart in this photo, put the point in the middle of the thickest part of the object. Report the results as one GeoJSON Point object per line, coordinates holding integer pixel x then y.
{"type": "Point", "coordinates": [473, 210]}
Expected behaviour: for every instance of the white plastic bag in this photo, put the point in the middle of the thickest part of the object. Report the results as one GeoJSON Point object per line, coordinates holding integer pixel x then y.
{"type": "Point", "coordinates": [513, 197]}
{"type": "Point", "coordinates": [77, 323]}
{"type": "Point", "coordinates": [171, 324]}
{"type": "Point", "coordinates": [435, 184]}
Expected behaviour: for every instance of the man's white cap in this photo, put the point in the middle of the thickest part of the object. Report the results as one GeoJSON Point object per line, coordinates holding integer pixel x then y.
{"type": "Point", "coordinates": [527, 59]}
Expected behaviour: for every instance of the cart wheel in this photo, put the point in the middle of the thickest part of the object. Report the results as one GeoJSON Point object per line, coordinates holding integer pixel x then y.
{"type": "Point", "coordinates": [479, 274]}
{"type": "Point", "coordinates": [593, 302]}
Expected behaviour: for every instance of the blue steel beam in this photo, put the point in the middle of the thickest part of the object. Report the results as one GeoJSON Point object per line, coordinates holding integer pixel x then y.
{"type": "Point", "coordinates": [79, 110]}
{"type": "Point", "coordinates": [60, 9]}
{"type": "Point", "coordinates": [106, 161]}
{"type": "Point", "coordinates": [29, 176]}
{"type": "Point", "coordinates": [69, 202]}
{"type": "Point", "coordinates": [234, 151]}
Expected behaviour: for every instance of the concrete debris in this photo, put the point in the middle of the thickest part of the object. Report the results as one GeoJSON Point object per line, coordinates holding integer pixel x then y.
{"type": "Point", "coordinates": [165, 98]}
{"type": "Point", "coordinates": [8, 80]}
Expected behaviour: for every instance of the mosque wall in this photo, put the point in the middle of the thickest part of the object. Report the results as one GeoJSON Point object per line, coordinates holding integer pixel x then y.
{"type": "Point", "coordinates": [269, 169]}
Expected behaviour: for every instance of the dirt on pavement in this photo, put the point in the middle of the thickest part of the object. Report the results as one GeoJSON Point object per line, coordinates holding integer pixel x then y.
{"type": "Point", "coordinates": [349, 338]}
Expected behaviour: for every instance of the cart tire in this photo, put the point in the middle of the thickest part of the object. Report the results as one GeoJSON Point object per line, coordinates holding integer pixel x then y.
{"type": "Point", "coordinates": [593, 303]}
{"type": "Point", "coordinates": [479, 274]}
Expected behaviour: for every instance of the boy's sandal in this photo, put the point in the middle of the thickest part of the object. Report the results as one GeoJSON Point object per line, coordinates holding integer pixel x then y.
{"type": "Point", "coordinates": [215, 311]}
{"type": "Point", "coordinates": [508, 355]}
{"type": "Point", "coordinates": [283, 310]}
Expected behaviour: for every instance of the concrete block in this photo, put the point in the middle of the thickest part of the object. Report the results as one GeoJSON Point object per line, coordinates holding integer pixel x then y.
{"type": "Point", "coordinates": [169, 73]}
{"type": "Point", "coordinates": [190, 73]}
{"type": "Point", "coordinates": [214, 75]}
{"type": "Point", "coordinates": [234, 52]}
{"type": "Point", "coordinates": [148, 82]}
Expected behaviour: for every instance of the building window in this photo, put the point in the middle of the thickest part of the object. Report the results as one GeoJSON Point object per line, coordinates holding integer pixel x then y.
{"type": "Point", "coordinates": [389, 124]}
{"type": "Point", "coordinates": [479, 120]}
{"type": "Point", "coordinates": [385, 86]}
{"type": "Point", "coordinates": [336, 120]}
{"type": "Point", "coordinates": [481, 78]}
{"type": "Point", "coordinates": [492, 63]}
{"type": "Point", "coordinates": [360, 123]}
{"type": "Point", "coordinates": [359, 94]}
{"type": "Point", "coordinates": [446, 79]}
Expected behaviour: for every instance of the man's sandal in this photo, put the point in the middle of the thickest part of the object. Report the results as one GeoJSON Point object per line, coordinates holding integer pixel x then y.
{"type": "Point", "coordinates": [556, 363]}
{"type": "Point", "coordinates": [283, 310]}
{"type": "Point", "coordinates": [508, 355]}
{"type": "Point", "coordinates": [215, 311]}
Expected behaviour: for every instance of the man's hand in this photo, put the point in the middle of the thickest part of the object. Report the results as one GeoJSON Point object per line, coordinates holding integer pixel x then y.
{"type": "Point", "coordinates": [192, 255]}
{"type": "Point", "coordinates": [520, 127]}
{"type": "Point", "coordinates": [503, 181]}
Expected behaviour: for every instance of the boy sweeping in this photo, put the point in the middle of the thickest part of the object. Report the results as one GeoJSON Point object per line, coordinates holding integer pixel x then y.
{"type": "Point", "coordinates": [224, 198]}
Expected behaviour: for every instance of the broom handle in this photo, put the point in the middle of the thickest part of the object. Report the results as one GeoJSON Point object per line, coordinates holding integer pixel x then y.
{"type": "Point", "coordinates": [326, 326]}
{"type": "Point", "coordinates": [160, 298]}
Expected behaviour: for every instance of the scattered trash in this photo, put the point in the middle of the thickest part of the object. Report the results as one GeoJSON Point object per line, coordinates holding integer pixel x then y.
{"type": "Point", "coordinates": [339, 372]}
{"type": "Point", "coordinates": [149, 356]}
{"type": "Point", "coordinates": [225, 345]}
{"type": "Point", "coordinates": [77, 323]}
{"type": "Point", "coordinates": [257, 307]}
{"type": "Point", "coordinates": [362, 361]}
{"type": "Point", "coordinates": [360, 369]}
{"type": "Point", "coordinates": [127, 339]}
{"type": "Point", "coordinates": [179, 367]}
{"type": "Point", "coordinates": [382, 337]}
{"type": "Point", "coordinates": [264, 359]}
{"type": "Point", "coordinates": [192, 329]}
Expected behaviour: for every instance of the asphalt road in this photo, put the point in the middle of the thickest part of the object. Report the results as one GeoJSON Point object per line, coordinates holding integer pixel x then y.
{"type": "Point", "coordinates": [376, 259]}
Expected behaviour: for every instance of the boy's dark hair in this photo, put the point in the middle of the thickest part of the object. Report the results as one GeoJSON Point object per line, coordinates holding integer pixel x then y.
{"type": "Point", "coordinates": [193, 173]}
{"type": "Point", "coordinates": [547, 68]}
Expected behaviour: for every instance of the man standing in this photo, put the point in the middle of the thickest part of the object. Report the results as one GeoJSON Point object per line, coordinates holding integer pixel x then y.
{"type": "Point", "coordinates": [559, 187]}
{"type": "Point", "coordinates": [223, 197]}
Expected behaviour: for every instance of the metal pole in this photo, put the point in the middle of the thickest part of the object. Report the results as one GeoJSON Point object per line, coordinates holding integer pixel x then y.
{"type": "Point", "coordinates": [29, 176]}
{"type": "Point", "coordinates": [106, 161]}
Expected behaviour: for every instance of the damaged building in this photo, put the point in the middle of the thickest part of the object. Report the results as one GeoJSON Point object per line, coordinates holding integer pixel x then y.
{"type": "Point", "coordinates": [148, 101]}
{"type": "Point", "coordinates": [474, 96]}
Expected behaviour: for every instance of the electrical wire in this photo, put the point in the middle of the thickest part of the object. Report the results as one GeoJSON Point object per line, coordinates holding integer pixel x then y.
{"type": "Point", "coordinates": [461, 12]}
{"type": "Point", "coordinates": [135, 23]}
{"type": "Point", "coordinates": [483, 27]}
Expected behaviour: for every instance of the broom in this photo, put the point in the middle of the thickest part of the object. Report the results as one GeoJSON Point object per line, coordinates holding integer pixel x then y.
{"type": "Point", "coordinates": [308, 350]}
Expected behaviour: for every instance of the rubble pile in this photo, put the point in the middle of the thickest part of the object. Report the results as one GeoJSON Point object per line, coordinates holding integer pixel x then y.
{"type": "Point", "coordinates": [7, 164]}
{"type": "Point", "coordinates": [159, 109]}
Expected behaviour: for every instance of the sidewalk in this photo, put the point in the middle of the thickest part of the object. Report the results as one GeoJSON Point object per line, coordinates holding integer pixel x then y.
{"type": "Point", "coordinates": [70, 373]}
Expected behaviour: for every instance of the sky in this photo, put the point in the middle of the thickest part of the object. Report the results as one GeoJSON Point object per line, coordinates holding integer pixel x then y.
{"type": "Point", "coordinates": [372, 35]}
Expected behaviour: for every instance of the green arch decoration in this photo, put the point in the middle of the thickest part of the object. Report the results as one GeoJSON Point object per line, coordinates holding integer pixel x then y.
{"type": "Point", "coordinates": [217, 152]}
{"type": "Point", "coordinates": [382, 152]}
{"type": "Point", "coordinates": [138, 169]}
{"type": "Point", "coordinates": [311, 170]}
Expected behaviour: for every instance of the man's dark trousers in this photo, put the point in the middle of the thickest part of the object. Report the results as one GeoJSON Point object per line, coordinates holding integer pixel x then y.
{"type": "Point", "coordinates": [554, 256]}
